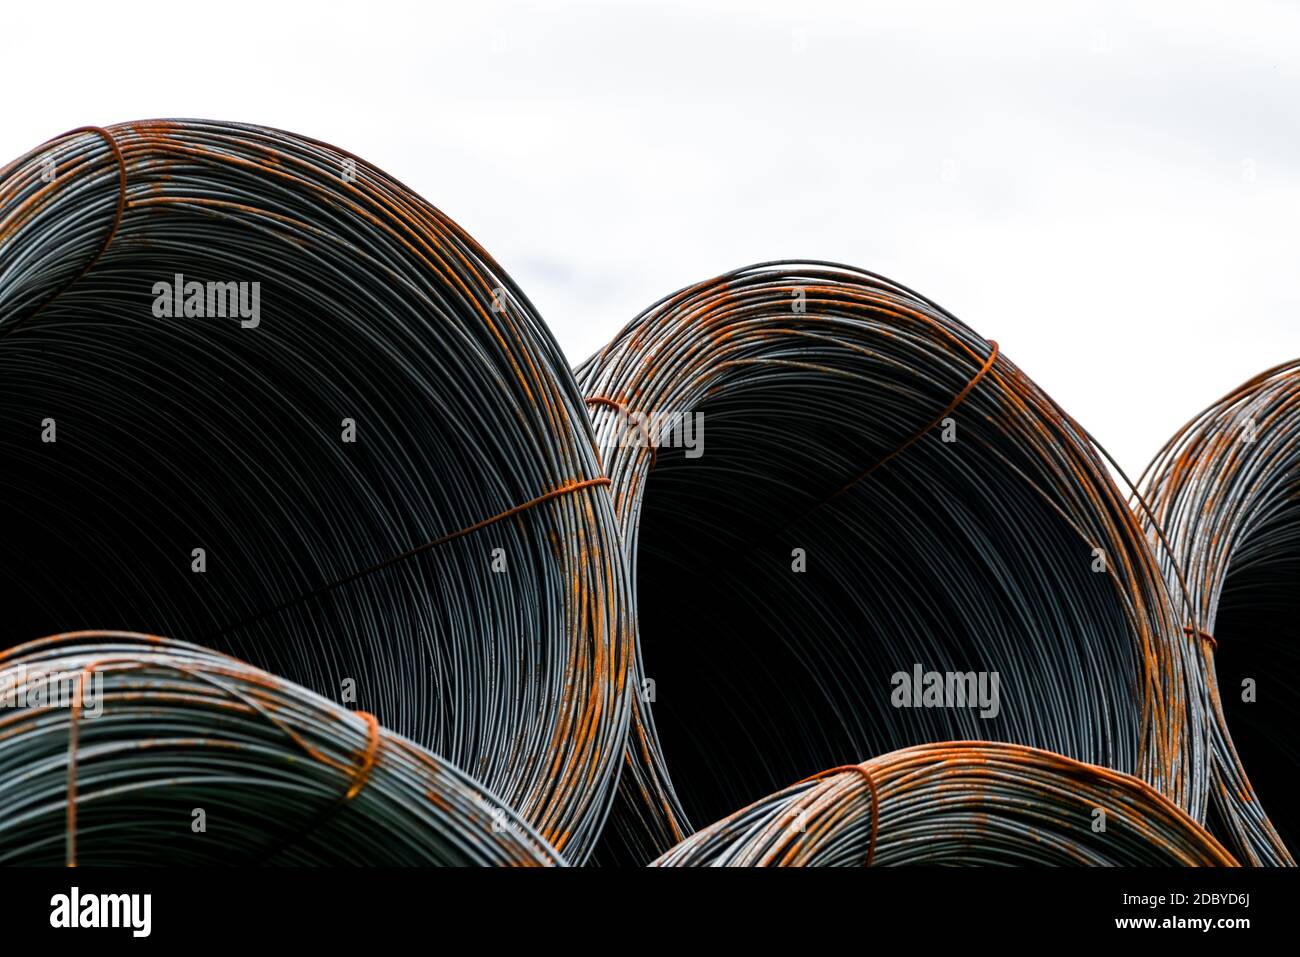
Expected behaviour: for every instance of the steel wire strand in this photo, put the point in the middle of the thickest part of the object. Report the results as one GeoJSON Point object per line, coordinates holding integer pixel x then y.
{"type": "Point", "coordinates": [126, 749]}
{"type": "Point", "coordinates": [1224, 490]}
{"type": "Point", "coordinates": [820, 388]}
{"type": "Point", "coordinates": [963, 803]}
{"type": "Point", "coordinates": [457, 562]}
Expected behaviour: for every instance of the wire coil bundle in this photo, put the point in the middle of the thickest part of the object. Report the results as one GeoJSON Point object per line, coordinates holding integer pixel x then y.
{"type": "Point", "coordinates": [824, 393]}
{"type": "Point", "coordinates": [1224, 494]}
{"type": "Point", "coordinates": [960, 803]}
{"type": "Point", "coordinates": [257, 395]}
{"type": "Point", "coordinates": [166, 731]}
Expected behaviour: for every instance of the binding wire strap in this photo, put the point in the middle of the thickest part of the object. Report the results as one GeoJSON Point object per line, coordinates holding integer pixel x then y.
{"type": "Point", "coordinates": [870, 489]}
{"type": "Point", "coordinates": [1226, 492]}
{"type": "Point", "coordinates": [963, 803]}
{"type": "Point", "coordinates": [257, 395]}
{"type": "Point", "coordinates": [181, 756]}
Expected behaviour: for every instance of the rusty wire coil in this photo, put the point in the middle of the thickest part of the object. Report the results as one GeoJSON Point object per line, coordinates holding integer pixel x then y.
{"type": "Point", "coordinates": [878, 489]}
{"type": "Point", "coordinates": [125, 749]}
{"type": "Point", "coordinates": [1224, 512]}
{"type": "Point", "coordinates": [963, 803]}
{"type": "Point", "coordinates": [457, 563]}
{"type": "Point", "coordinates": [825, 392]}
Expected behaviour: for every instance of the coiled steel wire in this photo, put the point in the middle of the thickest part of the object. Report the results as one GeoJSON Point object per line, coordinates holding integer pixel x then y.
{"type": "Point", "coordinates": [1222, 501]}
{"type": "Point", "coordinates": [825, 394]}
{"type": "Point", "coordinates": [963, 803]}
{"type": "Point", "coordinates": [125, 749]}
{"type": "Point", "coordinates": [454, 563]}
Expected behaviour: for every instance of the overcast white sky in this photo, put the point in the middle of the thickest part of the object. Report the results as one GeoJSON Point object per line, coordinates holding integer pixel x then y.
{"type": "Point", "coordinates": [1110, 190]}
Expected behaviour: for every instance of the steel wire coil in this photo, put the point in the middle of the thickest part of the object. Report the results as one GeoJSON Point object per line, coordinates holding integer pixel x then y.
{"type": "Point", "coordinates": [457, 563]}
{"type": "Point", "coordinates": [113, 744]}
{"type": "Point", "coordinates": [824, 392]}
{"type": "Point", "coordinates": [963, 803]}
{"type": "Point", "coordinates": [1222, 502]}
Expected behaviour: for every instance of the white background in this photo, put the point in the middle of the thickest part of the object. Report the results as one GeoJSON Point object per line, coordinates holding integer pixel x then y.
{"type": "Point", "coordinates": [1112, 191]}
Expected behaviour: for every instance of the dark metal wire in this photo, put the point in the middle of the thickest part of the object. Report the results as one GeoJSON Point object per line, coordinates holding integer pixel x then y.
{"type": "Point", "coordinates": [281, 775]}
{"type": "Point", "coordinates": [979, 555]}
{"type": "Point", "coordinates": [964, 803]}
{"type": "Point", "coordinates": [1224, 489]}
{"type": "Point", "coordinates": [464, 565]}
{"type": "Point", "coordinates": [459, 562]}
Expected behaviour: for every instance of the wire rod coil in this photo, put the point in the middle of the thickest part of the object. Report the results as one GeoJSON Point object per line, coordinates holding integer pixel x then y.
{"type": "Point", "coordinates": [257, 395]}
{"type": "Point", "coordinates": [963, 803]}
{"type": "Point", "coordinates": [1225, 494]}
{"type": "Point", "coordinates": [824, 394]}
{"type": "Point", "coordinates": [125, 749]}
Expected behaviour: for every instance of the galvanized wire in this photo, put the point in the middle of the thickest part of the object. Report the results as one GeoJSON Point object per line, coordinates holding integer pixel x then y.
{"type": "Point", "coordinates": [458, 563]}
{"type": "Point", "coordinates": [1225, 490]}
{"type": "Point", "coordinates": [148, 751]}
{"type": "Point", "coordinates": [825, 392]}
{"type": "Point", "coordinates": [963, 803]}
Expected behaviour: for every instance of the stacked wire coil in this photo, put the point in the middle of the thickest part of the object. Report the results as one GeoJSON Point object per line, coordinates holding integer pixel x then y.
{"type": "Point", "coordinates": [259, 396]}
{"type": "Point", "coordinates": [962, 803]}
{"type": "Point", "coordinates": [827, 396]}
{"type": "Point", "coordinates": [1221, 502]}
{"type": "Point", "coordinates": [125, 749]}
